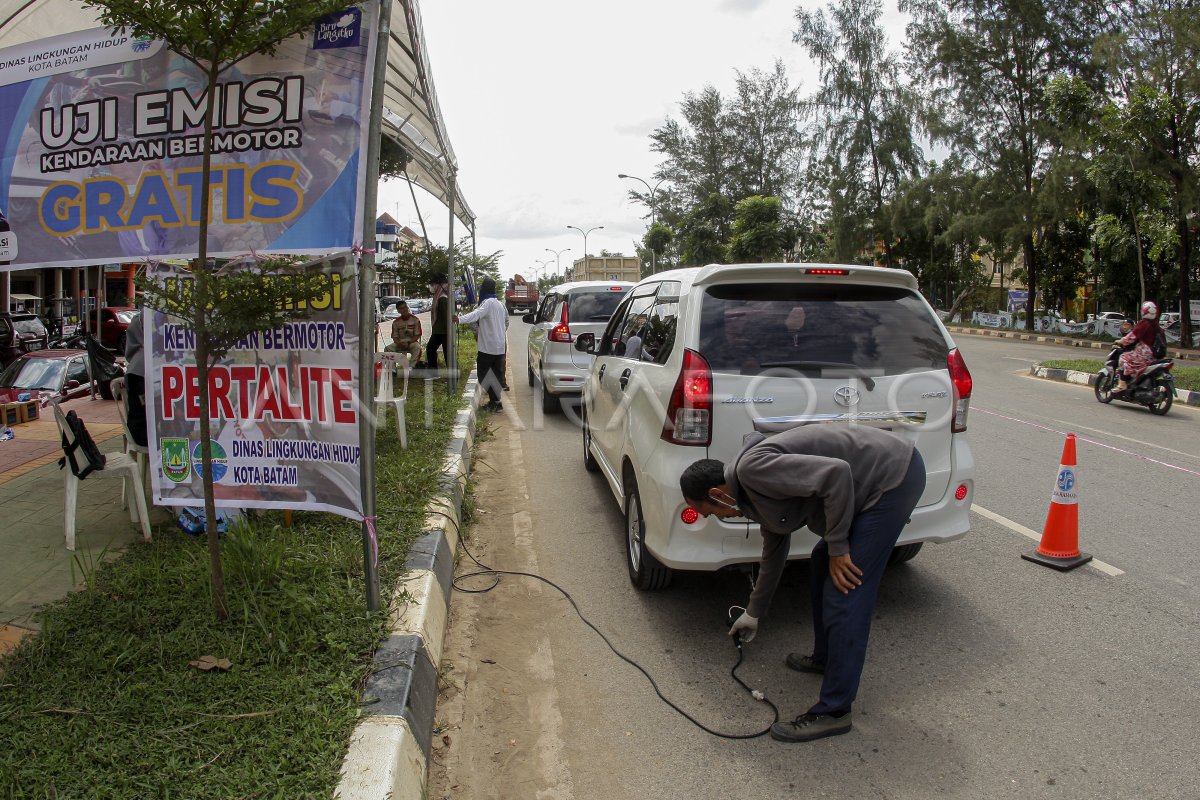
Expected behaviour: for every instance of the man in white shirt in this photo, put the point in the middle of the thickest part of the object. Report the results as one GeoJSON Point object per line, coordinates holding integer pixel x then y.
{"type": "Point", "coordinates": [492, 319]}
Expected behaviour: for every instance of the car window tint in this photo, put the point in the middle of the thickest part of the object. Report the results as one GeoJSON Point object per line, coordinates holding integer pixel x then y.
{"type": "Point", "coordinates": [611, 335]}
{"type": "Point", "coordinates": [77, 371]}
{"type": "Point", "coordinates": [632, 332]}
{"type": "Point", "coordinates": [544, 314]}
{"type": "Point", "coordinates": [659, 337]}
{"type": "Point", "coordinates": [29, 326]}
{"type": "Point", "coordinates": [595, 306]}
{"type": "Point", "coordinates": [750, 328]}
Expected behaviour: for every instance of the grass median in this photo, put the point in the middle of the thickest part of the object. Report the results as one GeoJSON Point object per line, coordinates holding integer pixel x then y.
{"type": "Point", "coordinates": [103, 702]}
{"type": "Point", "coordinates": [1185, 377]}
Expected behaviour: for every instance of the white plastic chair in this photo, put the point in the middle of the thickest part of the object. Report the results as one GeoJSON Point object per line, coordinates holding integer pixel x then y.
{"type": "Point", "coordinates": [388, 362]}
{"type": "Point", "coordinates": [117, 465]}
{"type": "Point", "coordinates": [139, 452]}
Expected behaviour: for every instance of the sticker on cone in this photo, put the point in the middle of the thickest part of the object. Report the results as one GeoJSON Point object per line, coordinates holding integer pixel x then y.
{"type": "Point", "coordinates": [1059, 547]}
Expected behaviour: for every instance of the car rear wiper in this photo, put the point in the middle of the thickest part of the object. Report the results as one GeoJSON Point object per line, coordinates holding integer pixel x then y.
{"type": "Point", "coordinates": [832, 366]}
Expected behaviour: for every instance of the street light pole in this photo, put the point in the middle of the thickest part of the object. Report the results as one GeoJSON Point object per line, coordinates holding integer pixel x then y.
{"type": "Point", "coordinates": [585, 235]}
{"type": "Point", "coordinates": [557, 253]}
{"type": "Point", "coordinates": [653, 212]}
{"type": "Point", "coordinates": [545, 268]}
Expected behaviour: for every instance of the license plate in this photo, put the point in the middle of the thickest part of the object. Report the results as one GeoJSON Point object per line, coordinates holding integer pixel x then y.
{"type": "Point", "coordinates": [34, 346]}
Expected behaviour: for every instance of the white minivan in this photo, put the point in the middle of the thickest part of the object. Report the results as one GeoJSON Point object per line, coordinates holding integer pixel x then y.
{"type": "Point", "coordinates": [694, 359]}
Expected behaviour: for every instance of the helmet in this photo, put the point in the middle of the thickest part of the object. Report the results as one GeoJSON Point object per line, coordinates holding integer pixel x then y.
{"type": "Point", "coordinates": [1149, 310]}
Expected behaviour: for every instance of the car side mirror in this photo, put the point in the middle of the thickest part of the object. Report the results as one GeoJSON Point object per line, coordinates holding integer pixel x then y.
{"type": "Point", "coordinates": [586, 343]}
{"type": "Point", "coordinates": [528, 319]}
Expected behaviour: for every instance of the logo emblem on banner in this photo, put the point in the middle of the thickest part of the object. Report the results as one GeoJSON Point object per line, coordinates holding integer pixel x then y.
{"type": "Point", "coordinates": [220, 461]}
{"type": "Point", "coordinates": [343, 29]}
{"type": "Point", "coordinates": [176, 464]}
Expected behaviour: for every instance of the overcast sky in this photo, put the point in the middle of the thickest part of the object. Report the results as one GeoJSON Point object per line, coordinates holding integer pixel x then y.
{"type": "Point", "coordinates": [546, 101]}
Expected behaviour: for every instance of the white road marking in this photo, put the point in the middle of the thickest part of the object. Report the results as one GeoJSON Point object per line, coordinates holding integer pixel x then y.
{"type": "Point", "coordinates": [1107, 569]}
{"type": "Point", "coordinates": [1130, 439]}
{"type": "Point", "coordinates": [1138, 456]}
{"type": "Point", "coordinates": [1015, 358]}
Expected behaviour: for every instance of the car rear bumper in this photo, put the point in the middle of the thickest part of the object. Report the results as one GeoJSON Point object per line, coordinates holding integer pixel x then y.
{"type": "Point", "coordinates": [710, 544]}
{"type": "Point", "coordinates": [564, 370]}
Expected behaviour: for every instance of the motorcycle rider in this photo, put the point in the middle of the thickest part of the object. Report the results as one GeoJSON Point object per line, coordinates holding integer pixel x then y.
{"type": "Point", "coordinates": [1141, 354]}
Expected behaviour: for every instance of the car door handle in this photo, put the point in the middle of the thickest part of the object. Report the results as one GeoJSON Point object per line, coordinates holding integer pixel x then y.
{"type": "Point", "coordinates": [624, 381]}
{"type": "Point", "coordinates": [600, 374]}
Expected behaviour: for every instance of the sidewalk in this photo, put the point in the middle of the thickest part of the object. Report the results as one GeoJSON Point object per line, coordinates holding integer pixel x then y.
{"type": "Point", "coordinates": [35, 566]}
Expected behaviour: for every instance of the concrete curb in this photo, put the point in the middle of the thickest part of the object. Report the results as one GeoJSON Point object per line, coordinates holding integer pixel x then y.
{"type": "Point", "coordinates": [1185, 396]}
{"type": "Point", "coordinates": [389, 749]}
{"type": "Point", "coordinates": [1003, 333]}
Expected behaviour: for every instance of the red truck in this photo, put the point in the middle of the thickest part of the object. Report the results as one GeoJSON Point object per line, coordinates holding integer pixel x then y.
{"type": "Point", "coordinates": [520, 295]}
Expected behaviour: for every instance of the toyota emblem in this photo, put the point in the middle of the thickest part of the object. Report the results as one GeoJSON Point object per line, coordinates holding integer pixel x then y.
{"type": "Point", "coordinates": [846, 396]}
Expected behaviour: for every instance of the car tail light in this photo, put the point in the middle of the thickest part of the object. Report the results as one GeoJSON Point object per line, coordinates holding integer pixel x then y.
{"type": "Point", "coordinates": [960, 493]}
{"type": "Point", "coordinates": [961, 378]}
{"type": "Point", "coordinates": [824, 271]}
{"type": "Point", "coordinates": [689, 414]}
{"type": "Point", "coordinates": [562, 331]}
{"type": "Point", "coordinates": [689, 515]}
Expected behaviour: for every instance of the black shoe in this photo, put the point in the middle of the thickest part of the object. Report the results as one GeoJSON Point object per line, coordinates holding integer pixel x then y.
{"type": "Point", "coordinates": [506, 387]}
{"type": "Point", "coordinates": [494, 406]}
{"type": "Point", "coordinates": [807, 727]}
{"type": "Point", "coordinates": [802, 663]}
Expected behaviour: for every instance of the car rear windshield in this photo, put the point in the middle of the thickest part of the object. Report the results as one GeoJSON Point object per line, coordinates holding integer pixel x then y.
{"type": "Point", "coordinates": [29, 326]}
{"type": "Point", "coordinates": [810, 327]}
{"type": "Point", "coordinates": [595, 306]}
{"type": "Point", "coordinates": [34, 373]}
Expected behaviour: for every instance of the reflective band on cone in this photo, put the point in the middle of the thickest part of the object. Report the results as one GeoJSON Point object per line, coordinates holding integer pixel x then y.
{"type": "Point", "coordinates": [1059, 547]}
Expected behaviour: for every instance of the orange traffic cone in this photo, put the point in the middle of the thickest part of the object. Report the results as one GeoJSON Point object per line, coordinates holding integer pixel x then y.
{"type": "Point", "coordinates": [1060, 537]}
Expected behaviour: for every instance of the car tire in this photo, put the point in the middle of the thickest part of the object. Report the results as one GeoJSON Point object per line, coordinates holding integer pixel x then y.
{"type": "Point", "coordinates": [904, 552]}
{"type": "Point", "coordinates": [589, 461]}
{"type": "Point", "coordinates": [551, 403]}
{"type": "Point", "coordinates": [645, 571]}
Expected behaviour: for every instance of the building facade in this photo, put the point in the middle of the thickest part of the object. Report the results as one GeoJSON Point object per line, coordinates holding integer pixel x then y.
{"type": "Point", "coordinates": [605, 268]}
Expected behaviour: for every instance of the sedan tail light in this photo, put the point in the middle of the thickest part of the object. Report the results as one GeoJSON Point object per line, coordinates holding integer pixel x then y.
{"type": "Point", "coordinates": [689, 414]}
{"type": "Point", "coordinates": [960, 376]}
{"type": "Point", "coordinates": [562, 331]}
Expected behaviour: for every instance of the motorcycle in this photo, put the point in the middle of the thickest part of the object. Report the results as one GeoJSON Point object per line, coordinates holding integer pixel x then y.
{"type": "Point", "coordinates": [1153, 387]}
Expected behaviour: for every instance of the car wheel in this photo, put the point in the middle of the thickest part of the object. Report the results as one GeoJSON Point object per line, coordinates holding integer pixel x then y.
{"type": "Point", "coordinates": [1104, 386]}
{"type": "Point", "coordinates": [589, 461]}
{"type": "Point", "coordinates": [1163, 400]}
{"type": "Point", "coordinates": [645, 571]}
{"type": "Point", "coordinates": [550, 402]}
{"type": "Point", "coordinates": [904, 552]}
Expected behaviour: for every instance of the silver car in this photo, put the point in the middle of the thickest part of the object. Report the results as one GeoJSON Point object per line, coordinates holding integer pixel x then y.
{"type": "Point", "coordinates": [566, 311]}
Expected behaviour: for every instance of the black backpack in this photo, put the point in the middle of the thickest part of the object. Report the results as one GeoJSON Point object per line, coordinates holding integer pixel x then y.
{"type": "Point", "coordinates": [93, 459]}
{"type": "Point", "coordinates": [1159, 348]}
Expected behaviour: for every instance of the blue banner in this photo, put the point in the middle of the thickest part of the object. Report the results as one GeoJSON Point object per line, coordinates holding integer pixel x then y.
{"type": "Point", "coordinates": [102, 137]}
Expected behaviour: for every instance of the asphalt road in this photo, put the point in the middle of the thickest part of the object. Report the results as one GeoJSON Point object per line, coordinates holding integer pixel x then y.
{"type": "Point", "coordinates": [987, 676]}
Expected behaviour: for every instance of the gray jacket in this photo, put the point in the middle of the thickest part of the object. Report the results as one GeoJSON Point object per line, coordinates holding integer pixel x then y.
{"type": "Point", "coordinates": [135, 361]}
{"type": "Point", "coordinates": [814, 476]}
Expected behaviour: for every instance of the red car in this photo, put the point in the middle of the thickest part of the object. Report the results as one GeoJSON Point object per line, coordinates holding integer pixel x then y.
{"type": "Point", "coordinates": [45, 375]}
{"type": "Point", "coordinates": [114, 321]}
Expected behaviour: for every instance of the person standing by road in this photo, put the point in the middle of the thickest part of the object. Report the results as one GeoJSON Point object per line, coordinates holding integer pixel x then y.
{"type": "Point", "coordinates": [489, 359]}
{"type": "Point", "coordinates": [855, 487]}
{"type": "Point", "coordinates": [135, 380]}
{"type": "Point", "coordinates": [439, 321]}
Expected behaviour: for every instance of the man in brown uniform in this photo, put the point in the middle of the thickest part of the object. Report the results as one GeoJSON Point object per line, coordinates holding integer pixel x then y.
{"type": "Point", "coordinates": [406, 334]}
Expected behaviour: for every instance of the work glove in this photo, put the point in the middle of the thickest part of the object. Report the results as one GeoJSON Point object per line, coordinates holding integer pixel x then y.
{"type": "Point", "coordinates": [746, 626]}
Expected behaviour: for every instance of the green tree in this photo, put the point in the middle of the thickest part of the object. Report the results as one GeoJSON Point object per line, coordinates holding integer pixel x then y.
{"type": "Point", "coordinates": [758, 233]}
{"type": "Point", "coordinates": [1152, 59]}
{"type": "Point", "coordinates": [704, 231]}
{"type": "Point", "coordinates": [984, 66]}
{"type": "Point", "coordinates": [863, 131]}
{"type": "Point", "coordinates": [213, 36]}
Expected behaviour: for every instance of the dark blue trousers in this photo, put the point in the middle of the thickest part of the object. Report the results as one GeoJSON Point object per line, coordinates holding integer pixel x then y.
{"type": "Point", "coordinates": [842, 622]}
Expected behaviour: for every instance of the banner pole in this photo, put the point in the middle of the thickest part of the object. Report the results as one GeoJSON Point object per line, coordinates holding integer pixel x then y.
{"type": "Point", "coordinates": [452, 332]}
{"type": "Point", "coordinates": [366, 314]}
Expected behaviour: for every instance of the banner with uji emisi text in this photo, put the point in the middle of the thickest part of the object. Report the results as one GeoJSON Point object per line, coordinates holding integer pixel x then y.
{"type": "Point", "coordinates": [282, 407]}
{"type": "Point", "coordinates": [102, 138]}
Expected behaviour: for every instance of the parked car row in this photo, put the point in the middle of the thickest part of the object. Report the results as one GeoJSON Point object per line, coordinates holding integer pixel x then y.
{"type": "Point", "coordinates": [20, 333]}
{"type": "Point", "coordinates": [692, 360]}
